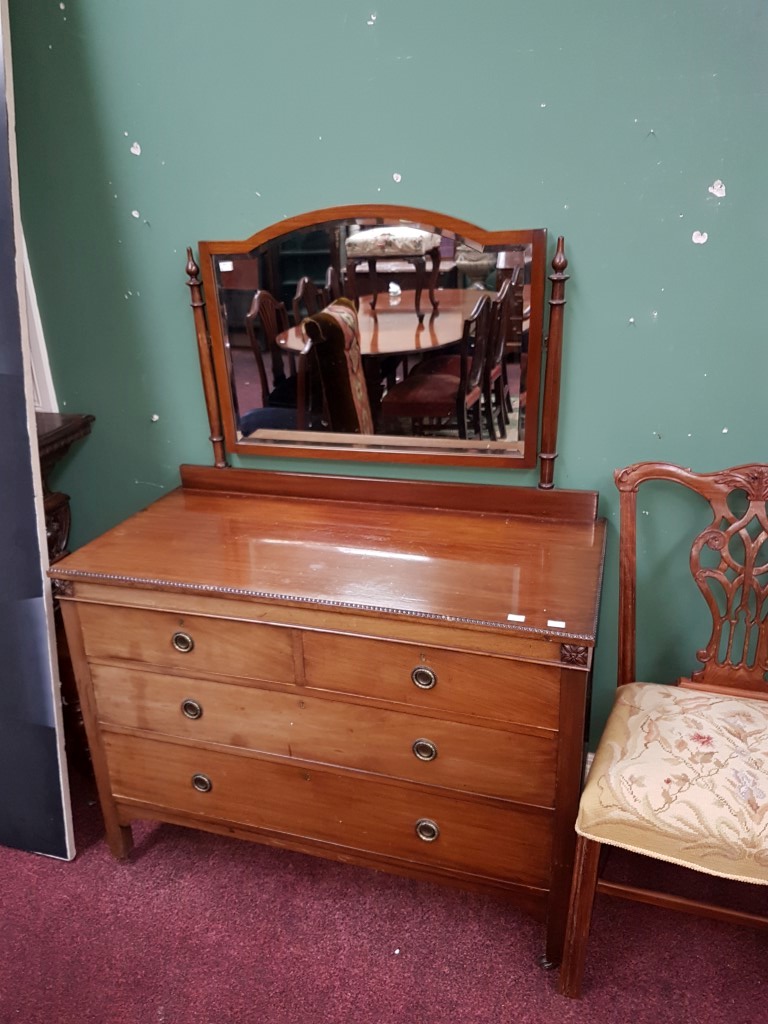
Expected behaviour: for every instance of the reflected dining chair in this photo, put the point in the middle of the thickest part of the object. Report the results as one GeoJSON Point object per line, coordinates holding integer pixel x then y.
{"type": "Point", "coordinates": [496, 397]}
{"type": "Point", "coordinates": [265, 319]}
{"type": "Point", "coordinates": [681, 771]}
{"type": "Point", "coordinates": [334, 347]}
{"type": "Point", "coordinates": [399, 243]}
{"type": "Point", "coordinates": [495, 386]}
{"type": "Point", "coordinates": [444, 397]}
{"type": "Point", "coordinates": [334, 286]}
{"type": "Point", "coordinates": [308, 300]}
{"type": "Point", "coordinates": [257, 418]}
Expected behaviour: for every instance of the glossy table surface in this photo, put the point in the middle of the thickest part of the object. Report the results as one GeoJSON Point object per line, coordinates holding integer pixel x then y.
{"type": "Point", "coordinates": [394, 329]}
{"type": "Point", "coordinates": [439, 563]}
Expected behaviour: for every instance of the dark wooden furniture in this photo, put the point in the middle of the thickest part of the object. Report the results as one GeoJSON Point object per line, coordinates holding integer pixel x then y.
{"type": "Point", "coordinates": [389, 336]}
{"type": "Point", "coordinates": [681, 772]}
{"type": "Point", "coordinates": [213, 327]}
{"type": "Point", "coordinates": [496, 396]}
{"type": "Point", "coordinates": [56, 433]}
{"type": "Point", "coordinates": [265, 319]}
{"type": "Point", "coordinates": [392, 330]}
{"type": "Point", "coordinates": [309, 299]}
{"type": "Point", "coordinates": [333, 350]}
{"type": "Point", "coordinates": [497, 403]}
{"type": "Point", "coordinates": [381, 244]}
{"type": "Point", "coordinates": [387, 673]}
{"type": "Point", "coordinates": [444, 398]}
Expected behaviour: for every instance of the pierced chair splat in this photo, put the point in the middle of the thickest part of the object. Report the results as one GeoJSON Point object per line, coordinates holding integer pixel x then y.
{"type": "Point", "coordinates": [681, 771]}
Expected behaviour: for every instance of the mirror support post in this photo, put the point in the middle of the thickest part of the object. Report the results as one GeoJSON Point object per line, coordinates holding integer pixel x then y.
{"type": "Point", "coordinates": [206, 362]}
{"type": "Point", "coordinates": [554, 348]}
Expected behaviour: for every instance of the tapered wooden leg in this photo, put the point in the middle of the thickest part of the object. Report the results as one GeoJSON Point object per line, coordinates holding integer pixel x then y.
{"type": "Point", "coordinates": [433, 274]}
{"type": "Point", "coordinates": [489, 411]}
{"type": "Point", "coordinates": [419, 264]}
{"type": "Point", "coordinates": [579, 917]}
{"type": "Point", "coordinates": [374, 280]}
{"type": "Point", "coordinates": [119, 840]}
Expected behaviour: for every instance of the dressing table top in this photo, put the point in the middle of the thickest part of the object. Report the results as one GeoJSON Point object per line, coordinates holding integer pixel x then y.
{"type": "Point", "coordinates": [458, 565]}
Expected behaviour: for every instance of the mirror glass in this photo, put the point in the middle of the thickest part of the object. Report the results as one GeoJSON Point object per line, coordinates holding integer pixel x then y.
{"type": "Point", "coordinates": [428, 346]}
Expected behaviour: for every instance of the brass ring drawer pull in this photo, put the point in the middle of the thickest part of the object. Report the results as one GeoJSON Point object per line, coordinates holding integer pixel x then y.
{"type": "Point", "coordinates": [192, 709]}
{"type": "Point", "coordinates": [183, 642]}
{"type": "Point", "coordinates": [201, 783]}
{"type": "Point", "coordinates": [425, 750]}
{"type": "Point", "coordinates": [427, 830]}
{"type": "Point", "coordinates": [423, 677]}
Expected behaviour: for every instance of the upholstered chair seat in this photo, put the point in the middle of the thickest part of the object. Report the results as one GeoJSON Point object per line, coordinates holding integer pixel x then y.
{"type": "Point", "coordinates": [682, 775]}
{"type": "Point", "coordinates": [681, 771]}
{"type": "Point", "coordinates": [396, 242]}
{"type": "Point", "coordinates": [392, 242]}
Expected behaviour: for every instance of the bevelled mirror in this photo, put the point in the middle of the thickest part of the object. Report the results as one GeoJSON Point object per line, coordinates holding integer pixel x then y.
{"type": "Point", "coordinates": [375, 332]}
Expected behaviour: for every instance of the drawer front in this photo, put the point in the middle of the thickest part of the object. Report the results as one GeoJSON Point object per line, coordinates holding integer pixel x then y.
{"type": "Point", "coordinates": [191, 644]}
{"type": "Point", "coordinates": [511, 765]}
{"type": "Point", "coordinates": [467, 684]}
{"type": "Point", "coordinates": [501, 842]}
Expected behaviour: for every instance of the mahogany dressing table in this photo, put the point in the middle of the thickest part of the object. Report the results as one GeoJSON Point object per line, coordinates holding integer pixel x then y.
{"type": "Point", "coordinates": [389, 673]}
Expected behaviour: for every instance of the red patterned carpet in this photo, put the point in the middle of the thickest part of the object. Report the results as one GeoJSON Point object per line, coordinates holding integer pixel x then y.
{"type": "Point", "coordinates": [199, 929]}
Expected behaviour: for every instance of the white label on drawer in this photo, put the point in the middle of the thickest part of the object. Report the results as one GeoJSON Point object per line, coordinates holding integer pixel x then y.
{"type": "Point", "coordinates": [515, 618]}
{"type": "Point", "coordinates": [555, 623]}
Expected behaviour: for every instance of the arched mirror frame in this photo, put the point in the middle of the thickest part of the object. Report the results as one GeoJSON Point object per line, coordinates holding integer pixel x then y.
{"type": "Point", "coordinates": [214, 360]}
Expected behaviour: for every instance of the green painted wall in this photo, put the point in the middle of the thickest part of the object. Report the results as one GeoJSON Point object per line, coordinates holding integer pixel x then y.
{"type": "Point", "coordinates": [605, 121]}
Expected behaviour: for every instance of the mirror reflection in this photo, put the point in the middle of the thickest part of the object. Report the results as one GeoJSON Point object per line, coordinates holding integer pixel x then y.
{"type": "Point", "coordinates": [380, 332]}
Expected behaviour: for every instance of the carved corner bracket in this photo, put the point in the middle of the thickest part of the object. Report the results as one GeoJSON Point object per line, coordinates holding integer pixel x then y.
{"type": "Point", "coordinates": [574, 654]}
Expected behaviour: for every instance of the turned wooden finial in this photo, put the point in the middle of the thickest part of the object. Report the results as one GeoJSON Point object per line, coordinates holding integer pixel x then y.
{"type": "Point", "coordinates": [193, 271]}
{"type": "Point", "coordinates": [559, 263]}
{"type": "Point", "coordinates": [206, 361]}
{"type": "Point", "coordinates": [548, 452]}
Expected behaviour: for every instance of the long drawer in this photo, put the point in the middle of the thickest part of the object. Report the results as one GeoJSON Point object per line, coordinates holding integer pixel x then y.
{"type": "Point", "coordinates": [192, 644]}
{"type": "Point", "coordinates": [515, 765]}
{"type": "Point", "coordinates": [429, 677]}
{"type": "Point", "coordinates": [491, 840]}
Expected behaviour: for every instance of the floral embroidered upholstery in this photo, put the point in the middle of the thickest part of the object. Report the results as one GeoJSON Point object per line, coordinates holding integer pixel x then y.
{"type": "Point", "coordinates": [681, 772]}
{"type": "Point", "coordinates": [391, 241]}
{"type": "Point", "coordinates": [682, 775]}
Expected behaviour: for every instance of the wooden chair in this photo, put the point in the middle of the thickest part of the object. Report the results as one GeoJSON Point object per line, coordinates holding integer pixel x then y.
{"type": "Point", "coordinates": [265, 319]}
{"type": "Point", "coordinates": [495, 386]}
{"type": "Point", "coordinates": [496, 397]}
{"type": "Point", "coordinates": [334, 286]}
{"type": "Point", "coordinates": [398, 242]}
{"type": "Point", "coordinates": [441, 397]}
{"type": "Point", "coordinates": [334, 347]}
{"type": "Point", "coordinates": [681, 771]}
{"type": "Point", "coordinates": [308, 300]}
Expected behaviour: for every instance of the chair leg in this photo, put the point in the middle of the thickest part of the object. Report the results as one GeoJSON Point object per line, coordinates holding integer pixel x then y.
{"type": "Point", "coordinates": [579, 917]}
{"type": "Point", "coordinates": [489, 411]}
{"type": "Point", "coordinates": [501, 410]}
{"type": "Point", "coordinates": [477, 422]}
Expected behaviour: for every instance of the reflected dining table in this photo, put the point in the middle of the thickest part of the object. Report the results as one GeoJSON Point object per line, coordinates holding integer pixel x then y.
{"type": "Point", "coordinates": [393, 330]}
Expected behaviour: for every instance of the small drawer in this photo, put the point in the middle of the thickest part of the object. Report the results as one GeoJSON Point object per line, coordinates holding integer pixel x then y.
{"type": "Point", "coordinates": [429, 677]}
{"type": "Point", "coordinates": [512, 765]}
{"type": "Point", "coordinates": [192, 644]}
{"type": "Point", "coordinates": [406, 823]}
